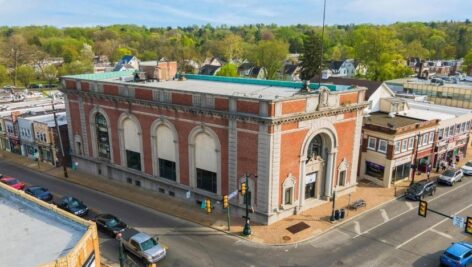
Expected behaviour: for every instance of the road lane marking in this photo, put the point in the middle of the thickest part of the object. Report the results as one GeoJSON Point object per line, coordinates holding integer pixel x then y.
{"type": "Point", "coordinates": [403, 213]}
{"type": "Point", "coordinates": [384, 214]}
{"type": "Point", "coordinates": [440, 222]}
{"type": "Point", "coordinates": [409, 205]}
{"type": "Point", "coordinates": [442, 233]}
{"type": "Point", "coordinates": [357, 227]}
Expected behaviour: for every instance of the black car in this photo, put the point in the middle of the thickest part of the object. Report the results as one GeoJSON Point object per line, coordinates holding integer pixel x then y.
{"type": "Point", "coordinates": [418, 190]}
{"type": "Point", "coordinates": [73, 206]}
{"type": "Point", "coordinates": [109, 224]}
{"type": "Point", "coordinates": [39, 193]}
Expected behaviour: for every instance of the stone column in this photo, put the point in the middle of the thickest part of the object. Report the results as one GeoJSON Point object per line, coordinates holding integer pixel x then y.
{"type": "Point", "coordinates": [329, 173]}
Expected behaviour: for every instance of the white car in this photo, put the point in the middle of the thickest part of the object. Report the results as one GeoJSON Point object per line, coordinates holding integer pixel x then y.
{"type": "Point", "coordinates": [451, 176]}
{"type": "Point", "coordinates": [467, 168]}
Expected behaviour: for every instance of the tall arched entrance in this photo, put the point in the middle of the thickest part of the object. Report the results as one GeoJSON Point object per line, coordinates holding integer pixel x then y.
{"type": "Point", "coordinates": [316, 165]}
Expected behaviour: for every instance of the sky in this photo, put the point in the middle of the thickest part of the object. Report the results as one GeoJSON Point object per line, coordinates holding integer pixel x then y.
{"type": "Point", "coordinates": [157, 13]}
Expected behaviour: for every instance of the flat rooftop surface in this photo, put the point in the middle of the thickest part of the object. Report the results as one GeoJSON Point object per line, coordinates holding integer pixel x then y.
{"type": "Point", "coordinates": [32, 235]}
{"type": "Point", "coordinates": [384, 120]}
{"type": "Point", "coordinates": [241, 87]}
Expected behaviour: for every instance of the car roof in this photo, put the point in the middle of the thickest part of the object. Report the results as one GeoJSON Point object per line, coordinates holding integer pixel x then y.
{"type": "Point", "coordinates": [141, 237]}
{"type": "Point", "coordinates": [106, 216]}
{"type": "Point", "coordinates": [35, 187]}
{"type": "Point", "coordinates": [458, 249]}
{"type": "Point", "coordinates": [8, 178]}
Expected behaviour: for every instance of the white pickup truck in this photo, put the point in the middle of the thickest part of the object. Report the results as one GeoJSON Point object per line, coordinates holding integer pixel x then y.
{"type": "Point", "coordinates": [143, 245]}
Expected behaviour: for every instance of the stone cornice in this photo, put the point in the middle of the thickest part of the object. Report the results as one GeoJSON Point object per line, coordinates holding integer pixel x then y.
{"type": "Point", "coordinates": [224, 114]}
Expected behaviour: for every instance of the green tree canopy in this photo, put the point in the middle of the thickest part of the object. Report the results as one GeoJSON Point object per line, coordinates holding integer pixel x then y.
{"type": "Point", "coordinates": [25, 74]}
{"type": "Point", "coordinates": [228, 70]}
{"type": "Point", "coordinates": [311, 58]}
{"type": "Point", "coordinates": [270, 55]}
{"type": "Point", "coordinates": [3, 75]}
{"type": "Point", "coordinates": [50, 73]}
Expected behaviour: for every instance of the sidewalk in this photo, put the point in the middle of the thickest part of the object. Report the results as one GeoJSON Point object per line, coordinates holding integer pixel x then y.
{"type": "Point", "coordinates": [276, 234]}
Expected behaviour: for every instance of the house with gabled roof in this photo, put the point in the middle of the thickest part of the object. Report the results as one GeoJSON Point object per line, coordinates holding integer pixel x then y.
{"type": "Point", "coordinates": [127, 62]}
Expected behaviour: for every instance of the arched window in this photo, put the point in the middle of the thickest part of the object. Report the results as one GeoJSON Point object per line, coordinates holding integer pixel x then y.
{"type": "Point", "coordinates": [132, 144]}
{"type": "Point", "coordinates": [315, 147]}
{"type": "Point", "coordinates": [166, 153]}
{"type": "Point", "coordinates": [206, 162]}
{"type": "Point", "coordinates": [103, 141]}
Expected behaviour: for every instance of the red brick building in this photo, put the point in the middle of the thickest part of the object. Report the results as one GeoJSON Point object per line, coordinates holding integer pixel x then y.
{"type": "Point", "coordinates": [196, 138]}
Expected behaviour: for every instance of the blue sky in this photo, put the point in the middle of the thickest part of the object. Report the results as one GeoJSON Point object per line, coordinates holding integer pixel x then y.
{"type": "Point", "coordinates": [64, 13]}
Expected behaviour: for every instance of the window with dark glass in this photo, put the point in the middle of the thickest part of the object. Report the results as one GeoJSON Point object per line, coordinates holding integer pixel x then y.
{"type": "Point", "coordinates": [288, 196]}
{"type": "Point", "coordinates": [315, 147]}
{"type": "Point", "coordinates": [167, 169]}
{"type": "Point", "coordinates": [133, 160]}
{"type": "Point", "coordinates": [206, 180]}
{"type": "Point", "coordinates": [103, 143]}
{"type": "Point", "coordinates": [342, 178]}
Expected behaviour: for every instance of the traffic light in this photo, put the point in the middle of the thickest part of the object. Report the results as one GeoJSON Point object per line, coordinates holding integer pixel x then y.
{"type": "Point", "coordinates": [468, 225]}
{"type": "Point", "coordinates": [243, 188]}
{"type": "Point", "coordinates": [208, 205]}
{"type": "Point", "coordinates": [423, 208]}
{"type": "Point", "coordinates": [225, 201]}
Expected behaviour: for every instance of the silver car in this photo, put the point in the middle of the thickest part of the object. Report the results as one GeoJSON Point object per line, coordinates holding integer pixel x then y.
{"type": "Point", "coordinates": [451, 176]}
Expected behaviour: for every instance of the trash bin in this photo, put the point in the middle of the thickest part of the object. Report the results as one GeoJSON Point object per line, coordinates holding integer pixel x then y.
{"type": "Point", "coordinates": [336, 214]}
{"type": "Point", "coordinates": [342, 214]}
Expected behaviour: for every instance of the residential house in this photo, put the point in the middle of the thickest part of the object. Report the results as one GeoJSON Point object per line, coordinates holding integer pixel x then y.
{"type": "Point", "coordinates": [211, 70]}
{"type": "Point", "coordinates": [27, 135]}
{"type": "Point", "coordinates": [291, 72]}
{"type": "Point", "coordinates": [127, 62]}
{"type": "Point", "coordinates": [214, 61]}
{"type": "Point", "coordinates": [249, 70]}
{"type": "Point", "coordinates": [101, 64]}
{"type": "Point", "coordinates": [158, 70]}
{"type": "Point", "coordinates": [340, 68]}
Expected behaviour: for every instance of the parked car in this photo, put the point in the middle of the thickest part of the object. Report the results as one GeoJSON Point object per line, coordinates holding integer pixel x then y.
{"type": "Point", "coordinates": [110, 224]}
{"type": "Point", "coordinates": [142, 245]}
{"type": "Point", "coordinates": [13, 182]}
{"type": "Point", "coordinates": [39, 192]}
{"type": "Point", "coordinates": [420, 189]}
{"type": "Point", "coordinates": [467, 168]}
{"type": "Point", "coordinates": [457, 255]}
{"type": "Point", "coordinates": [451, 176]}
{"type": "Point", "coordinates": [73, 206]}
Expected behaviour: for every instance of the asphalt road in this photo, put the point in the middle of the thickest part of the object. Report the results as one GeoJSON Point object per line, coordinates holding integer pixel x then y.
{"type": "Point", "coordinates": [391, 235]}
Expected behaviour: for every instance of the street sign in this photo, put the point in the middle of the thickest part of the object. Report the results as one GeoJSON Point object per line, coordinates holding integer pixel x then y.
{"type": "Point", "coordinates": [458, 221]}
{"type": "Point", "coordinates": [233, 194]}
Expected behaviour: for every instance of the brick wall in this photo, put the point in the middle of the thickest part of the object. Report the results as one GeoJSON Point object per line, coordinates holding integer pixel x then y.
{"type": "Point", "coordinates": [181, 99]}
{"type": "Point", "coordinates": [348, 98]}
{"type": "Point", "coordinates": [110, 89]}
{"type": "Point", "coordinates": [144, 94]}
{"type": "Point", "coordinates": [345, 131]}
{"type": "Point", "coordinates": [248, 107]}
{"type": "Point", "coordinates": [296, 106]}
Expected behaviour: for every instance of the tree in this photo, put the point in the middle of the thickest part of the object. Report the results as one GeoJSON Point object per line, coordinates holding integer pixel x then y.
{"type": "Point", "coordinates": [3, 74]}
{"type": "Point", "coordinates": [228, 70]}
{"type": "Point", "coordinates": [25, 74]}
{"type": "Point", "coordinates": [16, 53]}
{"type": "Point", "coordinates": [270, 55]}
{"type": "Point", "coordinates": [311, 57]}
{"type": "Point", "coordinates": [468, 61]}
{"type": "Point", "coordinates": [50, 74]}
{"type": "Point", "coordinates": [415, 49]}
{"type": "Point", "coordinates": [76, 67]}
{"type": "Point", "coordinates": [120, 52]}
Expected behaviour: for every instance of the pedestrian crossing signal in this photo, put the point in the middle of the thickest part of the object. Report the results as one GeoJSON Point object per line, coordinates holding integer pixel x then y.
{"type": "Point", "coordinates": [243, 188]}
{"type": "Point", "coordinates": [225, 201]}
{"type": "Point", "coordinates": [423, 208]}
{"type": "Point", "coordinates": [468, 225]}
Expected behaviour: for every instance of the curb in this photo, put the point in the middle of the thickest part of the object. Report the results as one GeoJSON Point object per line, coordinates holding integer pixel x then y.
{"type": "Point", "coordinates": [317, 235]}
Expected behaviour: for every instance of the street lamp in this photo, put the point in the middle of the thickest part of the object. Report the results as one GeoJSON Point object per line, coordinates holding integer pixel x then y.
{"type": "Point", "coordinates": [120, 250]}
{"type": "Point", "coordinates": [247, 199]}
{"type": "Point", "coordinates": [333, 217]}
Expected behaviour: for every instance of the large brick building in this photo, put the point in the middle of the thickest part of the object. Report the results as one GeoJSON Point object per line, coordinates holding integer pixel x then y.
{"type": "Point", "coordinates": [197, 137]}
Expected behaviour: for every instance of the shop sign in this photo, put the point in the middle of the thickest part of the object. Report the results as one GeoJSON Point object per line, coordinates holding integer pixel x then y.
{"type": "Point", "coordinates": [403, 160]}
{"type": "Point", "coordinates": [311, 178]}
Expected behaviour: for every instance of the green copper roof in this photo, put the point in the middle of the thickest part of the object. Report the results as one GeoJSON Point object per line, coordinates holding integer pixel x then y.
{"type": "Point", "coordinates": [101, 76]}
{"type": "Point", "coordinates": [275, 83]}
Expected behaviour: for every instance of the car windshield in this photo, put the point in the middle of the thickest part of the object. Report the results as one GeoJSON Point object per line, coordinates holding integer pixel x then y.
{"type": "Point", "coordinates": [12, 182]}
{"type": "Point", "coordinates": [38, 190]}
{"type": "Point", "coordinates": [469, 164]}
{"type": "Point", "coordinates": [451, 256]}
{"type": "Point", "coordinates": [148, 244]}
{"type": "Point", "coordinates": [112, 222]}
{"type": "Point", "coordinates": [449, 173]}
{"type": "Point", "coordinates": [74, 203]}
{"type": "Point", "coordinates": [416, 187]}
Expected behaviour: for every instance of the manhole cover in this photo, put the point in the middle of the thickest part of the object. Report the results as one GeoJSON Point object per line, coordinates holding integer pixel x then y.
{"type": "Point", "coordinates": [298, 227]}
{"type": "Point", "coordinates": [286, 238]}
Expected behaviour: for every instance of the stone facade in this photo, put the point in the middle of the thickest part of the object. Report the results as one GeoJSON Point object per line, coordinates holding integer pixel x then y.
{"type": "Point", "coordinates": [268, 139]}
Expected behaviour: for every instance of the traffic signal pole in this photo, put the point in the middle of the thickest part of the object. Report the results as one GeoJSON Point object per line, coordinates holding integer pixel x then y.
{"type": "Point", "coordinates": [227, 216]}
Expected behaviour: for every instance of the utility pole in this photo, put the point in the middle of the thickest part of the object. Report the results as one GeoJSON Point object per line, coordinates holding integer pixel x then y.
{"type": "Point", "coordinates": [120, 250]}
{"type": "Point", "coordinates": [415, 164]}
{"type": "Point", "coordinates": [60, 141]}
{"type": "Point", "coordinates": [322, 43]}
{"type": "Point", "coordinates": [332, 218]}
